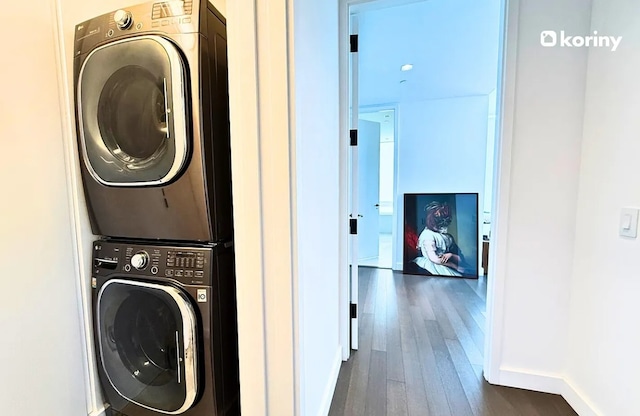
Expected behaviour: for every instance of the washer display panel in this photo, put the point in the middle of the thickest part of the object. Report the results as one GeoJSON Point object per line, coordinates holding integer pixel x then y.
{"type": "Point", "coordinates": [132, 112]}
{"type": "Point", "coordinates": [147, 340]}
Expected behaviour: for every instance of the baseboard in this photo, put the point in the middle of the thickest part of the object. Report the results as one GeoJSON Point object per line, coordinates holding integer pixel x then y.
{"type": "Point", "coordinates": [548, 383]}
{"type": "Point", "coordinates": [529, 380]}
{"type": "Point", "coordinates": [577, 400]}
{"type": "Point", "coordinates": [327, 397]}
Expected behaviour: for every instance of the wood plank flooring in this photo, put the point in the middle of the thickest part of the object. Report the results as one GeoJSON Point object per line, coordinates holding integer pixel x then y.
{"type": "Point", "coordinates": [421, 352]}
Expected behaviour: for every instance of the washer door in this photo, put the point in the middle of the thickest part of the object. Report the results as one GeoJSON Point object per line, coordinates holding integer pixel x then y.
{"type": "Point", "coordinates": [147, 341]}
{"type": "Point", "coordinates": [132, 112]}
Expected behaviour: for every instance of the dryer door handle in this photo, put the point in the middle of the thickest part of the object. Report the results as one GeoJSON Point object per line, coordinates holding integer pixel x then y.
{"type": "Point", "coordinates": [178, 358]}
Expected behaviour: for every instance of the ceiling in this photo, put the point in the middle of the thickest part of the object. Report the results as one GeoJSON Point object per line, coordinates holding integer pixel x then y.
{"type": "Point", "coordinates": [452, 44]}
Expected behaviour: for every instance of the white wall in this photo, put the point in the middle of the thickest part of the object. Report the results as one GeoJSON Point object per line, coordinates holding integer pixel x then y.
{"type": "Point", "coordinates": [221, 5]}
{"type": "Point", "coordinates": [603, 362]}
{"type": "Point", "coordinates": [317, 187]}
{"type": "Point", "coordinates": [441, 149]}
{"type": "Point", "coordinates": [545, 159]}
{"type": "Point", "coordinates": [41, 352]}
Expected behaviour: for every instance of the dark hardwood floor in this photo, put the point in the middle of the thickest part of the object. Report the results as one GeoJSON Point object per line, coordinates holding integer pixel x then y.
{"type": "Point", "coordinates": [421, 343]}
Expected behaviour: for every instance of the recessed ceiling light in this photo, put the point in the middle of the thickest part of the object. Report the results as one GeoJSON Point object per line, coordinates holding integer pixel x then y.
{"type": "Point", "coordinates": [406, 67]}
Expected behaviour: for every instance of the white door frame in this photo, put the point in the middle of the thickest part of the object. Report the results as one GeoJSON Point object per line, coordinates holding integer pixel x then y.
{"type": "Point", "coordinates": [502, 177]}
{"type": "Point", "coordinates": [354, 208]}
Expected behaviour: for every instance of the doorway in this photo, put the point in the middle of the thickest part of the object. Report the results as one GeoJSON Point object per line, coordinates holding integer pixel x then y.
{"type": "Point", "coordinates": [406, 84]}
{"type": "Point", "coordinates": [377, 168]}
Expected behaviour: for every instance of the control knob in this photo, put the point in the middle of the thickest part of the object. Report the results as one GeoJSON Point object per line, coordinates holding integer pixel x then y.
{"type": "Point", "coordinates": [140, 260]}
{"type": "Point", "coordinates": [123, 19]}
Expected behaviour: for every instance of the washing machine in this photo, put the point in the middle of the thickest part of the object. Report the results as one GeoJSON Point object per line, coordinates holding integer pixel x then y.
{"type": "Point", "coordinates": [151, 99]}
{"type": "Point", "coordinates": [165, 328]}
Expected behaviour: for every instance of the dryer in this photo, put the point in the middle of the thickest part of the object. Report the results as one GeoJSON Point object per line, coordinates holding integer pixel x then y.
{"type": "Point", "coordinates": [151, 101]}
{"type": "Point", "coordinates": [165, 328]}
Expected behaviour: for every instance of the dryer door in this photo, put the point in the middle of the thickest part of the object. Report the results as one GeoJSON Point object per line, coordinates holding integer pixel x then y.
{"type": "Point", "coordinates": [147, 342]}
{"type": "Point", "coordinates": [132, 112]}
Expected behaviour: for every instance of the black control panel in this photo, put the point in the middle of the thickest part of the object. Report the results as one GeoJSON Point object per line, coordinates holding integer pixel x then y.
{"type": "Point", "coordinates": [188, 265]}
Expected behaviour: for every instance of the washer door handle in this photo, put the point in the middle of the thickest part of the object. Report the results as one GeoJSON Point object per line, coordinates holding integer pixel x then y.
{"type": "Point", "coordinates": [167, 110]}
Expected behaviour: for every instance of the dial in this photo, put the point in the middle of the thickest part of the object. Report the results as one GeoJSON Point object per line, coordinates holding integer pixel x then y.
{"type": "Point", "coordinates": [140, 260]}
{"type": "Point", "coordinates": [123, 19]}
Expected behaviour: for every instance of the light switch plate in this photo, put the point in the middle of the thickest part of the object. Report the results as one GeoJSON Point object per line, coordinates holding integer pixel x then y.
{"type": "Point", "coordinates": [629, 222]}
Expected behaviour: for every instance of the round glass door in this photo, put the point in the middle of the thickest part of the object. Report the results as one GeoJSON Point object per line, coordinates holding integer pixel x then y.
{"type": "Point", "coordinates": [147, 339]}
{"type": "Point", "coordinates": [132, 112]}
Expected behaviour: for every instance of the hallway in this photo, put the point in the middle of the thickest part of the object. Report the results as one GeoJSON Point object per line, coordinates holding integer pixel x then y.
{"type": "Point", "coordinates": [421, 343]}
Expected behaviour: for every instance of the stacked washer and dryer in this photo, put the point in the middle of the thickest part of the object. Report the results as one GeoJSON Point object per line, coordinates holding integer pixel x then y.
{"type": "Point", "coordinates": [151, 101]}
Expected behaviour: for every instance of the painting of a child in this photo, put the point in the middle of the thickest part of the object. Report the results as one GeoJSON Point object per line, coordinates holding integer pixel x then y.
{"type": "Point", "coordinates": [447, 243]}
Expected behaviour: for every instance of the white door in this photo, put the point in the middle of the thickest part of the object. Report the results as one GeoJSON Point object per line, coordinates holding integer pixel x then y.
{"type": "Point", "coordinates": [368, 178]}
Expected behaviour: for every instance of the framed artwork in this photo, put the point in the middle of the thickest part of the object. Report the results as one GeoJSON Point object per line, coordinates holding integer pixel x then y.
{"type": "Point", "coordinates": [441, 234]}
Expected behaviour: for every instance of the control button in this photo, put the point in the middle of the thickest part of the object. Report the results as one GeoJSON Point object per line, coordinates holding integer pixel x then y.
{"type": "Point", "coordinates": [123, 19]}
{"type": "Point", "coordinates": [188, 273]}
{"type": "Point", "coordinates": [168, 272]}
{"type": "Point", "coordinates": [199, 273]}
{"type": "Point", "coordinates": [202, 295]}
{"type": "Point", "coordinates": [186, 20]}
{"type": "Point", "coordinates": [179, 273]}
{"type": "Point", "coordinates": [140, 260]}
{"type": "Point", "coordinates": [127, 267]}
{"type": "Point", "coordinates": [139, 26]}
{"type": "Point", "coordinates": [154, 270]}
{"type": "Point", "coordinates": [165, 23]}
{"type": "Point", "coordinates": [110, 32]}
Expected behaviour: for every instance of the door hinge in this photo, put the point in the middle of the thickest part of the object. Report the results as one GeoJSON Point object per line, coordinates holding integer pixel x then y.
{"type": "Point", "coordinates": [353, 226]}
{"type": "Point", "coordinates": [353, 42]}
{"type": "Point", "coordinates": [354, 310]}
{"type": "Point", "coordinates": [353, 135]}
